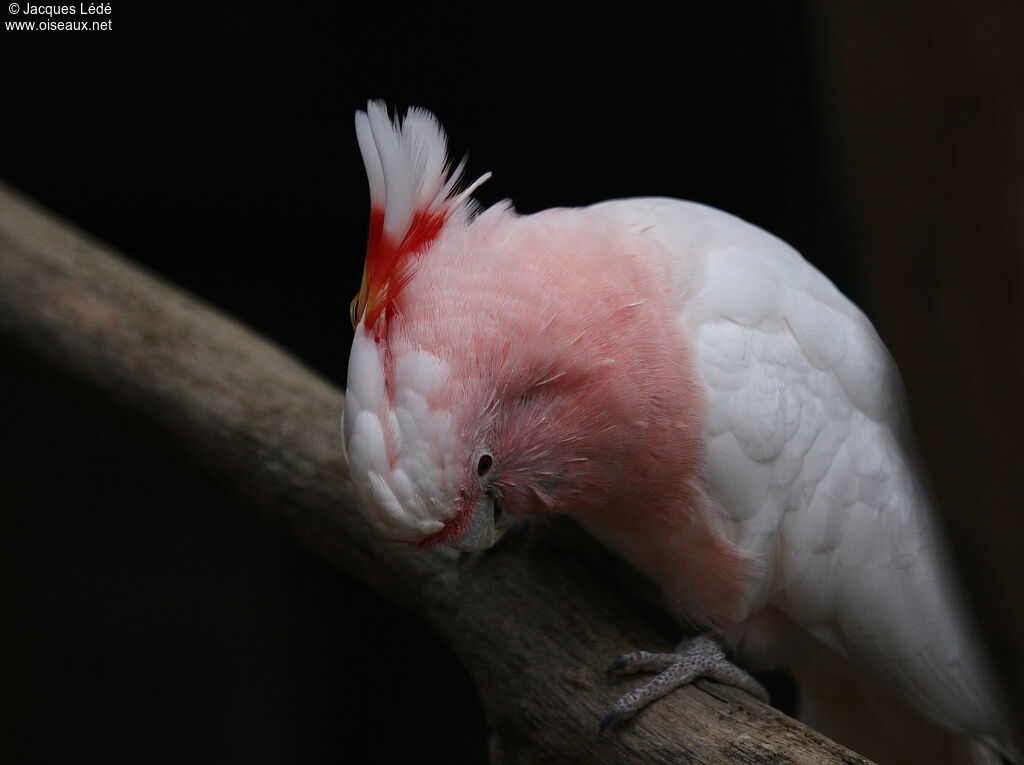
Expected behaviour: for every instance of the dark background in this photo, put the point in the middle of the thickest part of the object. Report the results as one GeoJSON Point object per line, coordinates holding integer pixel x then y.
{"type": "Point", "coordinates": [148, 617]}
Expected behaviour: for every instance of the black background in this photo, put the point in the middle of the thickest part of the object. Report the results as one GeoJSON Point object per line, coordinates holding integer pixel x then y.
{"type": "Point", "coordinates": [147, 616]}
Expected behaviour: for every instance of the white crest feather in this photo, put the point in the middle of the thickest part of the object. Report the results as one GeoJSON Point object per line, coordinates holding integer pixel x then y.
{"type": "Point", "coordinates": [397, 445]}
{"type": "Point", "coordinates": [407, 165]}
{"type": "Point", "coordinates": [374, 171]}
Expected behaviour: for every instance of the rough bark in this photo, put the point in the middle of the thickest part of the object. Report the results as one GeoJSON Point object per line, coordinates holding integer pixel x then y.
{"type": "Point", "coordinates": [535, 620]}
{"type": "Point", "coordinates": [927, 105]}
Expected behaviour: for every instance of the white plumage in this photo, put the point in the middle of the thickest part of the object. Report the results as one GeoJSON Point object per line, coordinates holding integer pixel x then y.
{"type": "Point", "coordinates": [808, 456]}
{"type": "Point", "coordinates": [400, 464]}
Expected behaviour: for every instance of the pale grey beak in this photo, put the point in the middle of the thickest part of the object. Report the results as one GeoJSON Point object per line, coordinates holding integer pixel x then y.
{"type": "Point", "coordinates": [487, 526]}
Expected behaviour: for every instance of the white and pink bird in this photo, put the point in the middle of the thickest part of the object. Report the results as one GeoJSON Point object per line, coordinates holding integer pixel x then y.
{"type": "Point", "coordinates": [700, 399]}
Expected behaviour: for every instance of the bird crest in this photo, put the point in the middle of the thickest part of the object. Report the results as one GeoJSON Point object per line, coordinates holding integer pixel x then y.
{"type": "Point", "coordinates": [412, 197]}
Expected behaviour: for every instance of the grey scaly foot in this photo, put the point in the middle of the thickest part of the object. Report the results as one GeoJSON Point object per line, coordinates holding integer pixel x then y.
{"type": "Point", "coordinates": [695, 657]}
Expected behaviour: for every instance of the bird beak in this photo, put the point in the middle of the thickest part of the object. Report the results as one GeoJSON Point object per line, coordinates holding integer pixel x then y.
{"type": "Point", "coordinates": [488, 525]}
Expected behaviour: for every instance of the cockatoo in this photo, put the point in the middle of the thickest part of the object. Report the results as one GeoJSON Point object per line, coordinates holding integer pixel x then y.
{"type": "Point", "coordinates": [700, 399]}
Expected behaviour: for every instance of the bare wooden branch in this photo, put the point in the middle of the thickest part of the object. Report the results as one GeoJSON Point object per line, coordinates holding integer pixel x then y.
{"type": "Point", "coordinates": [535, 620]}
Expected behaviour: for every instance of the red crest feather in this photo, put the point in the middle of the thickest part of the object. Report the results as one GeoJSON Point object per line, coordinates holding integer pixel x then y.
{"type": "Point", "coordinates": [412, 197]}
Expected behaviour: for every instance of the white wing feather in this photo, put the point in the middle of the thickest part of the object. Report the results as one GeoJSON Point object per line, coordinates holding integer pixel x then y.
{"type": "Point", "coordinates": [807, 454]}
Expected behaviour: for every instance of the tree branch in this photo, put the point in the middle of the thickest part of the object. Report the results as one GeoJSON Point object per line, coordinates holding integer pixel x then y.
{"type": "Point", "coordinates": [534, 620]}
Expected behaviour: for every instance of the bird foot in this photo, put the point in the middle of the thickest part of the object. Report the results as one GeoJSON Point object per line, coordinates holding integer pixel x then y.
{"type": "Point", "coordinates": [695, 657]}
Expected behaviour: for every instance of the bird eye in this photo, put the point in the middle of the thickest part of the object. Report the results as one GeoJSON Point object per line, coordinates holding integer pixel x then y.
{"type": "Point", "coordinates": [484, 464]}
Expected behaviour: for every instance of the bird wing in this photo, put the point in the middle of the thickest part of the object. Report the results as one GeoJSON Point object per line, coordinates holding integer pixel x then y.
{"type": "Point", "coordinates": [808, 455]}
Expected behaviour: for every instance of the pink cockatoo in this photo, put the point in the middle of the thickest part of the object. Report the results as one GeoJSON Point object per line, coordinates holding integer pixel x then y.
{"type": "Point", "coordinates": [700, 399]}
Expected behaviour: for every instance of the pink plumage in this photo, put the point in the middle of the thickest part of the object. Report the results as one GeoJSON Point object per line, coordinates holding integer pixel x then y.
{"type": "Point", "coordinates": [689, 389]}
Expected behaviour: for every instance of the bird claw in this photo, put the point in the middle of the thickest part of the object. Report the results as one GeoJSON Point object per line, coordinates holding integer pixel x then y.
{"type": "Point", "coordinates": [695, 657]}
{"type": "Point", "coordinates": [607, 721]}
{"type": "Point", "coordinates": [617, 666]}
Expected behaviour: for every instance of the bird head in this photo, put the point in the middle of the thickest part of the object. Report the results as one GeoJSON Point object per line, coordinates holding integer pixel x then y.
{"type": "Point", "coordinates": [496, 371]}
